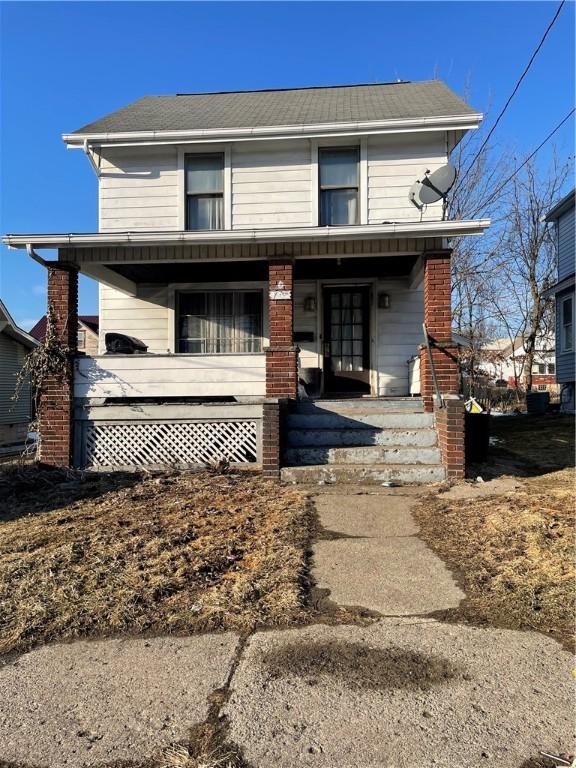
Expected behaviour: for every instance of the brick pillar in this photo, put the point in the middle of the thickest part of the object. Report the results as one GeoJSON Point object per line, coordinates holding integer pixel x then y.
{"type": "Point", "coordinates": [56, 397]}
{"type": "Point", "coordinates": [438, 319]}
{"type": "Point", "coordinates": [272, 411]}
{"type": "Point", "coordinates": [450, 427]}
{"type": "Point", "coordinates": [281, 355]}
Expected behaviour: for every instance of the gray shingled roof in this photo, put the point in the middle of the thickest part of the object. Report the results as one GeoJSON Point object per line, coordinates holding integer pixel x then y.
{"type": "Point", "coordinates": [300, 106]}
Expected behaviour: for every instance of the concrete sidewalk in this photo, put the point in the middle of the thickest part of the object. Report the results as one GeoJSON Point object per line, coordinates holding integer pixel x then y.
{"type": "Point", "coordinates": [406, 691]}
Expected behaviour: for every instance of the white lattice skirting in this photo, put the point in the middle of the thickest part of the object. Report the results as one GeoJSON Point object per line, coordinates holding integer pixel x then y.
{"type": "Point", "coordinates": [146, 445]}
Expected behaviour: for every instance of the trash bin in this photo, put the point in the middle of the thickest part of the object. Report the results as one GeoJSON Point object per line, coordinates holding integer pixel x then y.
{"type": "Point", "coordinates": [311, 378]}
{"type": "Point", "coordinates": [537, 402]}
{"type": "Point", "coordinates": [477, 441]}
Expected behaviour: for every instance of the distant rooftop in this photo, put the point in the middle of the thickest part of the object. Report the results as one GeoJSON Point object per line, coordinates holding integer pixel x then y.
{"type": "Point", "coordinates": [39, 330]}
{"type": "Point", "coordinates": [291, 106]}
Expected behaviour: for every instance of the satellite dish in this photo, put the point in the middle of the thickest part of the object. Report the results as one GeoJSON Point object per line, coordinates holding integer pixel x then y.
{"type": "Point", "coordinates": [433, 187]}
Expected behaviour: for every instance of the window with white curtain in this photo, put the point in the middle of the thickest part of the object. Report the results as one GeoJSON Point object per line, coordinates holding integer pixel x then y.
{"type": "Point", "coordinates": [338, 186]}
{"type": "Point", "coordinates": [205, 191]}
{"type": "Point", "coordinates": [214, 322]}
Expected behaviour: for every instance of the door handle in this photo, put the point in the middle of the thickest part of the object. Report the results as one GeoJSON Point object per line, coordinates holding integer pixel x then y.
{"type": "Point", "coordinates": [326, 349]}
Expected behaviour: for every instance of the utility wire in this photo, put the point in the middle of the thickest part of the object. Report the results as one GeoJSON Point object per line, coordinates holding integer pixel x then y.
{"type": "Point", "coordinates": [527, 160]}
{"type": "Point", "coordinates": [516, 87]}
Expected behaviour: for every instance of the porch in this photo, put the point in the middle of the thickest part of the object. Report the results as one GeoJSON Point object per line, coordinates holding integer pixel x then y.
{"type": "Point", "coordinates": [257, 327]}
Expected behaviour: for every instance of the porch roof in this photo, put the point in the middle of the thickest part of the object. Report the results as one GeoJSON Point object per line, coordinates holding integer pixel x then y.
{"type": "Point", "coordinates": [391, 230]}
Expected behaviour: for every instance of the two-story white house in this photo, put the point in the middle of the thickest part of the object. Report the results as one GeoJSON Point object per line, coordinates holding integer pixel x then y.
{"type": "Point", "coordinates": [252, 241]}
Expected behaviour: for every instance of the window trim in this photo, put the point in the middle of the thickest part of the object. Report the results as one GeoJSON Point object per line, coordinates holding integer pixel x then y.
{"type": "Point", "coordinates": [563, 300]}
{"type": "Point", "coordinates": [201, 149]}
{"type": "Point", "coordinates": [179, 290]}
{"type": "Point", "coordinates": [202, 195]}
{"type": "Point", "coordinates": [342, 148]}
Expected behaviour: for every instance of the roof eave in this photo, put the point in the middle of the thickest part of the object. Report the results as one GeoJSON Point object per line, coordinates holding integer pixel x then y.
{"type": "Point", "coordinates": [565, 204]}
{"type": "Point", "coordinates": [438, 122]}
{"type": "Point", "coordinates": [14, 331]}
{"type": "Point", "coordinates": [242, 236]}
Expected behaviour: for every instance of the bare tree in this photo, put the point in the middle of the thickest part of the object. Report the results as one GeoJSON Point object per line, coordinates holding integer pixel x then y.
{"type": "Point", "coordinates": [527, 263]}
{"type": "Point", "coordinates": [480, 170]}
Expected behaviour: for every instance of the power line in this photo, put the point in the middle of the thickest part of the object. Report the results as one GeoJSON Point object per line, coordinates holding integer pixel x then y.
{"type": "Point", "coordinates": [527, 160]}
{"type": "Point", "coordinates": [516, 87]}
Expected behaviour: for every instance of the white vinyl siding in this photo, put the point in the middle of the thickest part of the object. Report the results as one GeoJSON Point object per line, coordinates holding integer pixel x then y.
{"type": "Point", "coordinates": [12, 356]}
{"type": "Point", "coordinates": [146, 317]}
{"type": "Point", "coordinates": [139, 189]}
{"type": "Point", "coordinates": [394, 164]}
{"type": "Point", "coordinates": [306, 322]}
{"type": "Point", "coordinates": [150, 317]}
{"type": "Point", "coordinates": [271, 185]}
{"type": "Point", "coordinates": [399, 334]}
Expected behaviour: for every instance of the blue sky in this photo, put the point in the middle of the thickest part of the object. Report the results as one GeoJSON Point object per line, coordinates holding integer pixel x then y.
{"type": "Point", "coordinates": [65, 64]}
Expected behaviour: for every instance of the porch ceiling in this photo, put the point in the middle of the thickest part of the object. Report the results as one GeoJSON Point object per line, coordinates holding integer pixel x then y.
{"type": "Point", "coordinates": [257, 270]}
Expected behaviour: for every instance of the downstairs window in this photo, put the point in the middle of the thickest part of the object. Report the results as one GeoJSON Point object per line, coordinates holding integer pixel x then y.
{"type": "Point", "coordinates": [219, 322]}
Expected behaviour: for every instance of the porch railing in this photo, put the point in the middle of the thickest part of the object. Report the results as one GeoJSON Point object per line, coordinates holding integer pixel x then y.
{"type": "Point", "coordinates": [432, 366]}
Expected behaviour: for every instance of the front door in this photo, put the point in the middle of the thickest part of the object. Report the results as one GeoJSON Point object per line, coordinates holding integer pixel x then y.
{"type": "Point", "coordinates": [347, 340]}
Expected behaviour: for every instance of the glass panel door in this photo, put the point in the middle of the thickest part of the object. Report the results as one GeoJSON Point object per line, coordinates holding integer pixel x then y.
{"type": "Point", "coordinates": [347, 339]}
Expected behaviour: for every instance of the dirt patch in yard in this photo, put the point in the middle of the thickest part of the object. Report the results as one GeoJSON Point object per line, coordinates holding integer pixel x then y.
{"type": "Point", "coordinates": [527, 446]}
{"type": "Point", "coordinates": [97, 556]}
{"type": "Point", "coordinates": [513, 554]}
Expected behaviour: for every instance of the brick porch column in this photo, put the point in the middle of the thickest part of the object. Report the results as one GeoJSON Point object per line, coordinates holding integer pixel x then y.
{"type": "Point", "coordinates": [450, 428]}
{"type": "Point", "coordinates": [281, 354]}
{"type": "Point", "coordinates": [57, 397]}
{"type": "Point", "coordinates": [438, 319]}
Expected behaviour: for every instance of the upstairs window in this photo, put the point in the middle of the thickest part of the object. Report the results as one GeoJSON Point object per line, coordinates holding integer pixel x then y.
{"type": "Point", "coordinates": [218, 322]}
{"type": "Point", "coordinates": [567, 324]}
{"type": "Point", "coordinates": [81, 339]}
{"type": "Point", "coordinates": [205, 191]}
{"type": "Point", "coordinates": [338, 186]}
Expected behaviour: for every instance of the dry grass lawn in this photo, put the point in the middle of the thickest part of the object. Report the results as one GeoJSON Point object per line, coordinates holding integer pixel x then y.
{"type": "Point", "coordinates": [97, 556]}
{"type": "Point", "coordinates": [514, 553]}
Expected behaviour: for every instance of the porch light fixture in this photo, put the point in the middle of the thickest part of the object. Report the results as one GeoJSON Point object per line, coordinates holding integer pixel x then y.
{"type": "Point", "coordinates": [383, 301]}
{"type": "Point", "coordinates": [310, 304]}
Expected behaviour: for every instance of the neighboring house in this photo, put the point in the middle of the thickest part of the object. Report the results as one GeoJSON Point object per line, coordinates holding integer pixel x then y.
{"type": "Point", "coordinates": [562, 215]}
{"type": "Point", "coordinates": [15, 414]}
{"type": "Point", "coordinates": [87, 339]}
{"type": "Point", "coordinates": [250, 239]}
{"type": "Point", "coordinates": [505, 360]}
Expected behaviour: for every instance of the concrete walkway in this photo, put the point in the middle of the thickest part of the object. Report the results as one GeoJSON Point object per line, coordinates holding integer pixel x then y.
{"type": "Point", "coordinates": [406, 691]}
{"type": "Point", "coordinates": [369, 555]}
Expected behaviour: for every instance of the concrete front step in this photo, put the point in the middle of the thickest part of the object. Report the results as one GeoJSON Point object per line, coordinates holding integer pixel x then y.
{"type": "Point", "coordinates": [376, 454]}
{"type": "Point", "coordinates": [338, 438]}
{"type": "Point", "coordinates": [319, 419]}
{"type": "Point", "coordinates": [371, 474]}
{"type": "Point", "coordinates": [363, 405]}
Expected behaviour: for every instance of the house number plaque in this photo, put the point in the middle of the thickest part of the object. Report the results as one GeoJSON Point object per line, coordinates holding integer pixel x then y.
{"type": "Point", "coordinates": [280, 292]}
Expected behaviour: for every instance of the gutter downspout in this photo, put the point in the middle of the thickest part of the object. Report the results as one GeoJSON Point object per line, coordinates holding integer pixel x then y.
{"type": "Point", "coordinates": [90, 157]}
{"type": "Point", "coordinates": [33, 255]}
